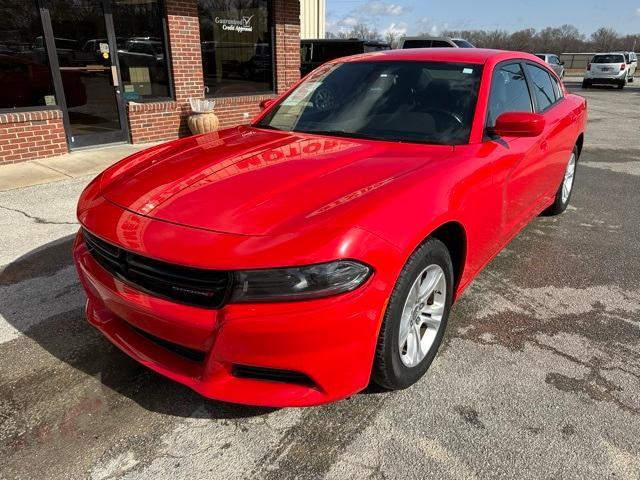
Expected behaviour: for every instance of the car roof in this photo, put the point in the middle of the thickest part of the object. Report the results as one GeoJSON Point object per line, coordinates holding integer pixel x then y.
{"type": "Point", "coordinates": [453, 55]}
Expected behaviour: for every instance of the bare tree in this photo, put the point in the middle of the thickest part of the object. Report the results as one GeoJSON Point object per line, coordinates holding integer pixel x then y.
{"type": "Point", "coordinates": [363, 32]}
{"type": "Point", "coordinates": [604, 39]}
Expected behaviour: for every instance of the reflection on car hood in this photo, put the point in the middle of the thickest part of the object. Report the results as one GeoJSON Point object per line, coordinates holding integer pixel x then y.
{"type": "Point", "coordinates": [255, 182]}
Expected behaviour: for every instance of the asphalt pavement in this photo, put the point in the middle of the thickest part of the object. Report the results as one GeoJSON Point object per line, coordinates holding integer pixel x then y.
{"type": "Point", "coordinates": [539, 376]}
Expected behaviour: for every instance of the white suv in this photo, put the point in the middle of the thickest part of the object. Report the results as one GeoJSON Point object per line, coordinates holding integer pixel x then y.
{"type": "Point", "coordinates": [606, 69]}
{"type": "Point", "coordinates": [632, 64]}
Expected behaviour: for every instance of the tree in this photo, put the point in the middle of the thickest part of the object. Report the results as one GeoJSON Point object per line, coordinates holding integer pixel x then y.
{"type": "Point", "coordinates": [604, 39]}
{"type": "Point", "coordinates": [363, 32]}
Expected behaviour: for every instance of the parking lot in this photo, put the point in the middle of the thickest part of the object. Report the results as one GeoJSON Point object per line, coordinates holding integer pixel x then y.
{"type": "Point", "coordinates": [539, 376]}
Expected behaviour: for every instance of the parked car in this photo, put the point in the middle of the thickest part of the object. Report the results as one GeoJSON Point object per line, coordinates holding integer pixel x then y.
{"type": "Point", "coordinates": [554, 62]}
{"type": "Point", "coordinates": [314, 53]}
{"type": "Point", "coordinates": [632, 64]}
{"type": "Point", "coordinates": [606, 69]}
{"type": "Point", "coordinates": [434, 42]}
{"type": "Point", "coordinates": [290, 261]}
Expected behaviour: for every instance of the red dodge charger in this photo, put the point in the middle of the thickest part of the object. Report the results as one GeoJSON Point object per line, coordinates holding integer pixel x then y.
{"type": "Point", "coordinates": [294, 260]}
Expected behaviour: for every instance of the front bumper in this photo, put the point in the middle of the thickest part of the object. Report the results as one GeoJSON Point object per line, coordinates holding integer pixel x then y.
{"type": "Point", "coordinates": [329, 341]}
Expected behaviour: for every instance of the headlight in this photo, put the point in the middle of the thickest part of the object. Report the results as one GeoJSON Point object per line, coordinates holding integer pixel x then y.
{"type": "Point", "coordinates": [299, 283]}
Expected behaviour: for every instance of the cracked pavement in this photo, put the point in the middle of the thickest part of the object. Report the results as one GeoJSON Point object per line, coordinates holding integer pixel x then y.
{"type": "Point", "coordinates": [538, 378]}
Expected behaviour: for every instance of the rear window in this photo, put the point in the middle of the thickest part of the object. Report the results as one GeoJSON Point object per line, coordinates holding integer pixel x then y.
{"type": "Point", "coordinates": [416, 44]}
{"type": "Point", "coordinates": [462, 43]}
{"type": "Point", "coordinates": [608, 59]}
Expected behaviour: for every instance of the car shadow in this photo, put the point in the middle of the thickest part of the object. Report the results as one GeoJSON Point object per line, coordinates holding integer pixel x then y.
{"type": "Point", "coordinates": [46, 304]}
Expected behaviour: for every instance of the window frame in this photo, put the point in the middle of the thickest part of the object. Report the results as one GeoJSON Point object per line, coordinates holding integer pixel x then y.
{"type": "Point", "coordinates": [168, 61]}
{"type": "Point", "coordinates": [553, 78]}
{"type": "Point", "coordinates": [273, 90]}
{"type": "Point", "coordinates": [499, 66]}
{"type": "Point", "coordinates": [40, 108]}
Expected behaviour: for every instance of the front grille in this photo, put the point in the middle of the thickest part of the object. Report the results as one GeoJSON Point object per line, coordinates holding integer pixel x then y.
{"type": "Point", "coordinates": [272, 374]}
{"type": "Point", "coordinates": [190, 286]}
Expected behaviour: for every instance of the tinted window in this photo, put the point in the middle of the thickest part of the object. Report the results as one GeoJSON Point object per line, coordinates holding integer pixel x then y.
{"type": "Point", "coordinates": [141, 49]}
{"type": "Point", "coordinates": [440, 44]}
{"type": "Point", "coordinates": [542, 87]}
{"type": "Point", "coordinates": [25, 77]}
{"type": "Point", "coordinates": [424, 102]}
{"type": "Point", "coordinates": [462, 43]}
{"type": "Point", "coordinates": [416, 44]}
{"type": "Point", "coordinates": [509, 92]}
{"type": "Point", "coordinates": [237, 54]}
{"type": "Point", "coordinates": [557, 90]}
{"type": "Point", "coordinates": [608, 59]}
{"type": "Point", "coordinates": [542, 57]}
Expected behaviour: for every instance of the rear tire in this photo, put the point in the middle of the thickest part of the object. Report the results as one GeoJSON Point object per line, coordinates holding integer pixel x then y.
{"type": "Point", "coordinates": [416, 317]}
{"type": "Point", "coordinates": [563, 195]}
{"type": "Point", "coordinates": [585, 84]}
{"type": "Point", "coordinates": [621, 84]}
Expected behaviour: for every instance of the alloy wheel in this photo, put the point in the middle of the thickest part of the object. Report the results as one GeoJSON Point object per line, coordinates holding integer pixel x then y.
{"type": "Point", "coordinates": [422, 315]}
{"type": "Point", "coordinates": [567, 183]}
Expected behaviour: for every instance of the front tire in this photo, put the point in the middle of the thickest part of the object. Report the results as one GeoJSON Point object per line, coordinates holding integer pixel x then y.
{"type": "Point", "coordinates": [563, 195]}
{"type": "Point", "coordinates": [585, 84]}
{"type": "Point", "coordinates": [416, 317]}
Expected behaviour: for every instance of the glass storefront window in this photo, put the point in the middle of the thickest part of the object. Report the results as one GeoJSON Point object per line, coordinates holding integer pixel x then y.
{"type": "Point", "coordinates": [237, 51]}
{"type": "Point", "coordinates": [25, 76]}
{"type": "Point", "coordinates": [142, 52]}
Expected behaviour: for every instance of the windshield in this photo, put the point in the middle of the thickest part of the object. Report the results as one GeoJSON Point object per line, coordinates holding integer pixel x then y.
{"type": "Point", "coordinates": [608, 59]}
{"type": "Point", "coordinates": [424, 102]}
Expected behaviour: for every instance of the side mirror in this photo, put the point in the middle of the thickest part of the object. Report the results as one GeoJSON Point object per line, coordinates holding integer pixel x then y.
{"type": "Point", "coordinates": [518, 124]}
{"type": "Point", "coordinates": [264, 104]}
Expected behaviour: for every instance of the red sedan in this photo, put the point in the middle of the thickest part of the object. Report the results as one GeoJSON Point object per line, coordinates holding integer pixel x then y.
{"type": "Point", "coordinates": [292, 261]}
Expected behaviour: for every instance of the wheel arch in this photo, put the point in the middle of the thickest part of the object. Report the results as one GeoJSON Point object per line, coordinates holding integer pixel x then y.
{"type": "Point", "coordinates": [580, 143]}
{"type": "Point", "coordinates": [454, 237]}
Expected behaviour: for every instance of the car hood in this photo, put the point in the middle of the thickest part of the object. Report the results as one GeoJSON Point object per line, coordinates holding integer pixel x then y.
{"type": "Point", "coordinates": [253, 181]}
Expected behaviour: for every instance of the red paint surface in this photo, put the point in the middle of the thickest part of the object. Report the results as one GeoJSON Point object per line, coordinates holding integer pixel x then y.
{"type": "Point", "coordinates": [253, 198]}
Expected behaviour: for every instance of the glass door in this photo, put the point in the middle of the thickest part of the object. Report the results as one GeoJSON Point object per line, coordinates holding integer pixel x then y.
{"type": "Point", "coordinates": [86, 51]}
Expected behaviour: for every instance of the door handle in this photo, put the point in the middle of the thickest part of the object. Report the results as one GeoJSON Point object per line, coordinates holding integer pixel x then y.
{"type": "Point", "coordinates": [114, 76]}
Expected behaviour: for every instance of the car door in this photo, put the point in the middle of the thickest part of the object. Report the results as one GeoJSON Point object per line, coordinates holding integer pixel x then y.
{"type": "Point", "coordinates": [518, 160]}
{"type": "Point", "coordinates": [557, 141]}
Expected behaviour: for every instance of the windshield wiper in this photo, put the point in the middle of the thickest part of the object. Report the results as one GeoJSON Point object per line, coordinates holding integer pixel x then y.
{"type": "Point", "coordinates": [344, 133]}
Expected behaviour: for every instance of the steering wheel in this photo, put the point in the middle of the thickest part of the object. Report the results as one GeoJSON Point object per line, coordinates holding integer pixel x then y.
{"type": "Point", "coordinates": [446, 113]}
{"type": "Point", "coordinates": [324, 99]}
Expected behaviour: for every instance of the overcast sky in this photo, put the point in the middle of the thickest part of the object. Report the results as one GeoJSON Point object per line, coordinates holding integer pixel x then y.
{"type": "Point", "coordinates": [414, 16]}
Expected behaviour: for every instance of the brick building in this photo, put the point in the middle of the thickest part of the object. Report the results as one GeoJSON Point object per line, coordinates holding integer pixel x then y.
{"type": "Point", "coordinates": [78, 73]}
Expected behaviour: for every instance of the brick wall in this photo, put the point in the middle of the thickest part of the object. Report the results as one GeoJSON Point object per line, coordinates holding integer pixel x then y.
{"type": "Point", "coordinates": [28, 135]}
{"type": "Point", "coordinates": [41, 134]}
{"type": "Point", "coordinates": [167, 120]}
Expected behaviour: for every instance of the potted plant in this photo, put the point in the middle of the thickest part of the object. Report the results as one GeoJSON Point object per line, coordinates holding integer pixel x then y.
{"type": "Point", "coordinates": [203, 119]}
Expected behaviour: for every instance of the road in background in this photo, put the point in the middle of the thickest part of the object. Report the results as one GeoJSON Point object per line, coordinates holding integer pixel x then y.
{"type": "Point", "coordinates": [539, 376]}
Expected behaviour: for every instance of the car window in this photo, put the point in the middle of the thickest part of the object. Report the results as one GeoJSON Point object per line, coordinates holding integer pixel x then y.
{"type": "Point", "coordinates": [542, 87]}
{"type": "Point", "coordinates": [608, 59]}
{"type": "Point", "coordinates": [557, 89]}
{"type": "Point", "coordinates": [542, 57]}
{"type": "Point", "coordinates": [440, 44]}
{"type": "Point", "coordinates": [416, 44]}
{"type": "Point", "coordinates": [509, 92]}
{"type": "Point", "coordinates": [462, 43]}
{"type": "Point", "coordinates": [400, 101]}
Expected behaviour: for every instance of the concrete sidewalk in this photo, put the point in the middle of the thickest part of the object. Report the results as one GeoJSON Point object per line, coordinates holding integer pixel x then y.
{"type": "Point", "coordinates": [72, 165]}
